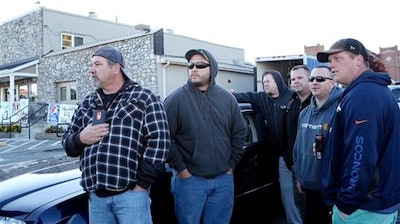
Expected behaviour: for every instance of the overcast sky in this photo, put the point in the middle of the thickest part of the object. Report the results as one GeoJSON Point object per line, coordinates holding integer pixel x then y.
{"type": "Point", "coordinates": [261, 27]}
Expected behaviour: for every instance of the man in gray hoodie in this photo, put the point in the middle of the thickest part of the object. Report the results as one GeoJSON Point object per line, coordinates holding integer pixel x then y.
{"type": "Point", "coordinates": [314, 119]}
{"type": "Point", "coordinates": [207, 134]}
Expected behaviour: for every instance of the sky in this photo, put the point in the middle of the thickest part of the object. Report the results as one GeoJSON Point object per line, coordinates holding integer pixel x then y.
{"type": "Point", "coordinates": [261, 27]}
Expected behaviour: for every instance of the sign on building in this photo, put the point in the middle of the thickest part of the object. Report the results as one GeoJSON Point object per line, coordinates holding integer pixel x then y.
{"type": "Point", "coordinates": [60, 113]}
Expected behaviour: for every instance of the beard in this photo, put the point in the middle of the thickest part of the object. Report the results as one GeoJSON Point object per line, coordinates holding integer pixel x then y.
{"type": "Point", "coordinates": [96, 83]}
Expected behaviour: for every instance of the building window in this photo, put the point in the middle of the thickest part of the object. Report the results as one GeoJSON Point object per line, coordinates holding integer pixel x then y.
{"type": "Point", "coordinates": [78, 41]}
{"type": "Point", "coordinates": [32, 92]}
{"type": "Point", "coordinates": [6, 94]}
{"type": "Point", "coordinates": [23, 92]}
{"type": "Point", "coordinates": [63, 93]}
{"type": "Point", "coordinates": [70, 40]}
{"type": "Point", "coordinates": [67, 92]}
{"type": "Point", "coordinates": [73, 93]}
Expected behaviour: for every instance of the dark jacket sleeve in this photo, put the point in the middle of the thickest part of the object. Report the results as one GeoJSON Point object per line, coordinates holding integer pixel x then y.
{"type": "Point", "coordinates": [148, 173]}
{"type": "Point", "coordinates": [175, 159]}
{"type": "Point", "coordinates": [72, 145]}
{"type": "Point", "coordinates": [157, 144]}
{"type": "Point", "coordinates": [248, 97]}
{"type": "Point", "coordinates": [238, 137]}
{"type": "Point", "coordinates": [260, 101]}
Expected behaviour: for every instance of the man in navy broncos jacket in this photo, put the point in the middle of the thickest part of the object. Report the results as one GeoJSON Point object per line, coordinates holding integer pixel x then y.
{"type": "Point", "coordinates": [361, 171]}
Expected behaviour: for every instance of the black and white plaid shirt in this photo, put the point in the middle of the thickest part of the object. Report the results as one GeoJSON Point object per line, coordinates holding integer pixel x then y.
{"type": "Point", "coordinates": [136, 148]}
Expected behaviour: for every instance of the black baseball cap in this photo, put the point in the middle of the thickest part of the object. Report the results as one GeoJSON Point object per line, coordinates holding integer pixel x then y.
{"type": "Point", "coordinates": [351, 45]}
{"type": "Point", "coordinates": [192, 52]}
{"type": "Point", "coordinates": [112, 54]}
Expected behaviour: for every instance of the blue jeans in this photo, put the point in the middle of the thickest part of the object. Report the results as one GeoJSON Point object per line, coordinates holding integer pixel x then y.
{"type": "Point", "coordinates": [198, 198]}
{"type": "Point", "coordinates": [130, 207]}
{"type": "Point", "coordinates": [286, 182]}
{"type": "Point", "coordinates": [362, 216]}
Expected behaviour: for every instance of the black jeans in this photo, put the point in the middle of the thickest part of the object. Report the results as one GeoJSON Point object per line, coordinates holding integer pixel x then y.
{"type": "Point", "coordinates": [315, 209]}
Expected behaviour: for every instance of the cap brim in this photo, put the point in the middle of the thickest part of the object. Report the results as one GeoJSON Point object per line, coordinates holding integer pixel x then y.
{"type": "Point", "coordinates": [124, 73]}
{"type": "Point", "coordinates": [323, 56]}
{"type": "Point", "coordinates": [190, 54]}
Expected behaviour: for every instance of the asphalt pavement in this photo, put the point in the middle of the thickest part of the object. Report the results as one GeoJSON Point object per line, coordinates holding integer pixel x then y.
{"type": "Point", "coordinates": [21, 155]}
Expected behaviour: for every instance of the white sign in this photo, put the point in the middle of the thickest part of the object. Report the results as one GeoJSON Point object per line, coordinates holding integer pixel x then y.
{"type": "Point", "coordinates": [60, 113]}
{"type": "Point", "coordinates": [66, 113]}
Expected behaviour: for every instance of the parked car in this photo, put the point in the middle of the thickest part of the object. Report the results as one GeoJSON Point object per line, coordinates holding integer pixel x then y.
{"type": "Point", "coordinates": [52, 196]}
{"type": "Point", "coordinates": [396, 92]}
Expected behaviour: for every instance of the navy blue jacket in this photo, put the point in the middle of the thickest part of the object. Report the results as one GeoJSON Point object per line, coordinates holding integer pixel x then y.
{"type": "Point", "coordinates": [362, 171]}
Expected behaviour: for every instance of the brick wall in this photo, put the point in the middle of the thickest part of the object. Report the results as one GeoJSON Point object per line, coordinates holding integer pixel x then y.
{"type": "Point", "coordinates": [391, 59]}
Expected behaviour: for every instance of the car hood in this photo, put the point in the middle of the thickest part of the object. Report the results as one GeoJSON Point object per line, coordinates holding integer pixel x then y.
{"type": "Point", "coordinates": [25, 193]}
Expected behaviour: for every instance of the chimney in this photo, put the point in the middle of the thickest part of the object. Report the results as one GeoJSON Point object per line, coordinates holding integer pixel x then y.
{"type": "Point", "coordinates": [143, 27]}
{"type": "Point", "coordinates": [92, 15]}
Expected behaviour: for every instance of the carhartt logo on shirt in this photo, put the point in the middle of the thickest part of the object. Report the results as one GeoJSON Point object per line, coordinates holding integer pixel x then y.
{"type": "Point", "coordinates": [360, 121]}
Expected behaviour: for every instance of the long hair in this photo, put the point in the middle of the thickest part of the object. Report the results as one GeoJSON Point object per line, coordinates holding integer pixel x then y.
{"type": "Point", "coordinates": [375, 63]}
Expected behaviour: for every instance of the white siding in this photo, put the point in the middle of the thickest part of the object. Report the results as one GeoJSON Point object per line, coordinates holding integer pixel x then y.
{"type": "Point", "coordinates": [176, 76]}
{"type": "Point", "coordinates": [93, 30]}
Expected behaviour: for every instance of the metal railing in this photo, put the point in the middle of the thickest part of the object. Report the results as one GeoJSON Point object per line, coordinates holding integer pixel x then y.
{"type": "Point", "coordinates": [58, 133]}
{"type": "Point", "coordinates": [36, 112]}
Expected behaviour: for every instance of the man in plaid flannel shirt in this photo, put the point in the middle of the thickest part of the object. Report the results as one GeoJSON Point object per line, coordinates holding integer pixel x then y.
{"type": "Point", "coordinates": [120, 131]}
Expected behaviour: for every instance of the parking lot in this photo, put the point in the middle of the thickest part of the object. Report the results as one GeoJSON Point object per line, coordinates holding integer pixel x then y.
{"type": "Point", "coordinates": [18, 156]}
{"type": "Point", "coordinates": [23, 144]}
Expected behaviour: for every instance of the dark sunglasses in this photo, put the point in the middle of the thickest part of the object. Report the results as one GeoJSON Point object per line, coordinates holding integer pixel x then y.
{"type": "Point", "coordinates": [198, 65]}
{"type": "Point", "coordinates": [318, 78]}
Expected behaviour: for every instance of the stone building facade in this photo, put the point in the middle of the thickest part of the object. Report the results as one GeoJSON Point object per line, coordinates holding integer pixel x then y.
{"type": "Point", "coordinates": [27, 39]}
{"type": "Point", "coordinates": [23, 38]}
{"type": "Point", "coordinates": [35, 65]}
{"type": "Point", "coordinates": [73, 65]}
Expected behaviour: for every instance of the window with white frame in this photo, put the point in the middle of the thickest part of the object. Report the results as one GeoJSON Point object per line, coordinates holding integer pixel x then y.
{"type": "Point", "coordinates": [73, 93]}
{"type": "Point", "coordinates": [66, 92]}
{"type": "Point", "coordinates": [70, 40]}
{"type": "Point", "coordinates": [63, 93]}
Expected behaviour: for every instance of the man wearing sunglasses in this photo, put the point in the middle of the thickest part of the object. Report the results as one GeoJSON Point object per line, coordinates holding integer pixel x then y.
{"type": "Point", "coordinates": [360, 175]}
{"type": "Point", "coordinates": [207, 135]}
{"type": "Point", "coordinates": [314, 119]}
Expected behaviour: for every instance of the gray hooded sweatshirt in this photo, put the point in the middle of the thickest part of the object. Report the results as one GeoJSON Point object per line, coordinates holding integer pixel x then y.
{"type": "Point", "coordinates": [313, 120]}
{"type": "Point", "coordinates": [207, 128]}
